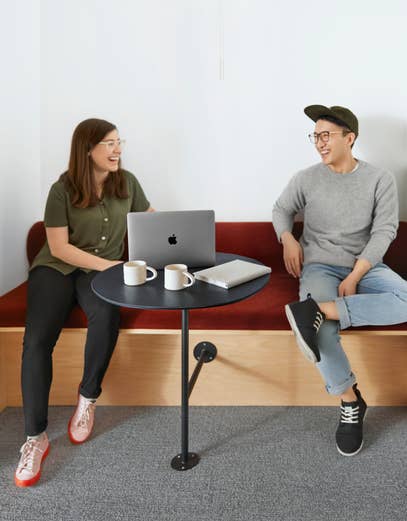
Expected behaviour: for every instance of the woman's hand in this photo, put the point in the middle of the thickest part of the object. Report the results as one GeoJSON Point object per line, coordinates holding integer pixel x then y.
{"type": "Point", "coordinates": [293, 254]}
{"type": "Point", "coordinates": [111, 264]}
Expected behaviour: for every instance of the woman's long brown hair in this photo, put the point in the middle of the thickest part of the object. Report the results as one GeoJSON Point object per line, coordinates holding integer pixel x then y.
{"type": "Point", "coordinates": [79, 180]}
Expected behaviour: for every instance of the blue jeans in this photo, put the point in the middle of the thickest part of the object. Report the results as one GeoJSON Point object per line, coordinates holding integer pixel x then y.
{"type": "Point", "coordinates": [381, 300]}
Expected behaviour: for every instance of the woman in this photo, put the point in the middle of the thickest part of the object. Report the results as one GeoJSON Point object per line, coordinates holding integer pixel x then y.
{"type": "Point", "coordinates": [85, 221]}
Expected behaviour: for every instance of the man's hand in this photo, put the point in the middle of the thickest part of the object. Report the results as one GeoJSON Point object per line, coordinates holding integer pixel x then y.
{"type": "Point", "coordinates": [348, 286]}
{"type": "Point", "coordinates": [293, 254]}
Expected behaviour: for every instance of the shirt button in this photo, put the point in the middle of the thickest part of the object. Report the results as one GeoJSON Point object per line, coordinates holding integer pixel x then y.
{"type": "Point", "coordinates": [106, 219]}
{"type": "Point", "coordinates": [96, 250]}
{"type": "Point", "coordinates": [103, 238]}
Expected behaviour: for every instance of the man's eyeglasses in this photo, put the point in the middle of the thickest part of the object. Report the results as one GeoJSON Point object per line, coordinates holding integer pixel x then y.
{"type": "Point", "coordinates": [324, 136]}
{"type": "Point", "coordinates": [110, 144]}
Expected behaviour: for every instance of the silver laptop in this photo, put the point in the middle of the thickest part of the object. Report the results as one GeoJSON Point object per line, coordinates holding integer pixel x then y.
{"type": "Point", "coordinates": [161, 238]}
{"type": "Point", "coordinates": [233, 273]}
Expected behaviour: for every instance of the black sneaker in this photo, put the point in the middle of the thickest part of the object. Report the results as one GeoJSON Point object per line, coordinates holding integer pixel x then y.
{"type": "Point", "coordinates": [349, 435]}
{"type": "Point", "coordinates": [305, 319]}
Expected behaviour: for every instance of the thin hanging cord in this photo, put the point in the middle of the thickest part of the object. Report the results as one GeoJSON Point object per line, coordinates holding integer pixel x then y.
{"type": "Point", "coordinates": [221, 41]}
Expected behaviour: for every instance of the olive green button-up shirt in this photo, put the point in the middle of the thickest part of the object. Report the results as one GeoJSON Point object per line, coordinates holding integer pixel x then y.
{"type": "Point", "coordinates": [99, 230]}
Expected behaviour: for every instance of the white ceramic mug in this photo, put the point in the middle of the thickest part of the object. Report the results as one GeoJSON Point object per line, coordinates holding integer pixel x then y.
{"type": "Point", "coordinates": [135, 273]}
{"type": "Point", "coordinates": [176, 277]}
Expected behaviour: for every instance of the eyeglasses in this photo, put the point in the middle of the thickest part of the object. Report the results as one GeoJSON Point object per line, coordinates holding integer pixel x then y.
{"type": "Point", "coordinates": [110, 144]}
{"type": "Point", "coordinates": [324, 136]}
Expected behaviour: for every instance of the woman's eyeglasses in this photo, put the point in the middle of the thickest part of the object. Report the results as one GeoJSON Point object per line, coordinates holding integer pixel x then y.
{"type": "Point", "coordinates": [110, 144]}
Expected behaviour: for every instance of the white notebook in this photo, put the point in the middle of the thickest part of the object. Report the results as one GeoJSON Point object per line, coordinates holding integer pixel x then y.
{"type": "Point", "coordinates": [232, 273]}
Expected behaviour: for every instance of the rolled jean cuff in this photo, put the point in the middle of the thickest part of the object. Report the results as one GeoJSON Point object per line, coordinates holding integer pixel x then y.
{"type": "Point", "coordinates": [344, 317]}
{"type": "Point", "coordinates": [341, 388]}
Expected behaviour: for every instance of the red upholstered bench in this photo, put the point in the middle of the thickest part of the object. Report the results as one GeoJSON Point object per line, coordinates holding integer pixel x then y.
{"type": "Point", "coordinates": [264, 311]}
{"type": "Point", "coordinates": [258, 362]}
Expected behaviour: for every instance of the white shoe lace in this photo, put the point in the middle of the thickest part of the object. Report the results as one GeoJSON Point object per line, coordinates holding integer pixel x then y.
{"type": "Point", "coordinates": [28, 451]}
{"type": "Point", "coordinates": [319, 319]}
{"type": "Point", "coordinates": [349, 414]}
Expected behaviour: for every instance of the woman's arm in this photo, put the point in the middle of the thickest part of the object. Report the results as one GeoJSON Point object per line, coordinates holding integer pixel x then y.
{"type": "Point", "coordinates": [58, 241]}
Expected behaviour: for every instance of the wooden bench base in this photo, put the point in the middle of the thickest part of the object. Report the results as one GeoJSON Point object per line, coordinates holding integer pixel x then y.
{"type": "Point", "coordinates": [252, 368]}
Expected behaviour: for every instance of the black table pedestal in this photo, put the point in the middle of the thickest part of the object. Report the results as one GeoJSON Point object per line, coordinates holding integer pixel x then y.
{"type": "Point", "coordinates": [203, 352]}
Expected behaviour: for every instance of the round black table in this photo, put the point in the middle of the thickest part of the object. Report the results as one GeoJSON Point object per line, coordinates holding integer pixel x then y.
{"type": "Point", "coordinates": [109, 285]}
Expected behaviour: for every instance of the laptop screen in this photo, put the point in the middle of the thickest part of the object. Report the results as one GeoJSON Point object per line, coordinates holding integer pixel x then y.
{"type": "Point", "coordinates": [162, 238]}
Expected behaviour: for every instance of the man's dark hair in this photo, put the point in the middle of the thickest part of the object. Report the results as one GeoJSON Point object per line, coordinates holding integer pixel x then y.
{"type": "Point", "coordinates": [338, 122]}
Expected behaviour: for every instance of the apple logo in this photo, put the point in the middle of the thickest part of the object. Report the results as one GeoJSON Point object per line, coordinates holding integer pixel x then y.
{"type": "Point", "coordinates": [172, 239]}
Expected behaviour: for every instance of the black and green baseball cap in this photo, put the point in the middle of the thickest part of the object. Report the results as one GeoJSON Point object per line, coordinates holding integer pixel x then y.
{"type": "Point", "coordinates": [347, 117]}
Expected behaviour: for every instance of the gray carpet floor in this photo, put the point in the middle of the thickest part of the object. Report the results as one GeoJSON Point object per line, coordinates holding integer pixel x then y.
{"type": "Point", "coordinates": [258, 463]}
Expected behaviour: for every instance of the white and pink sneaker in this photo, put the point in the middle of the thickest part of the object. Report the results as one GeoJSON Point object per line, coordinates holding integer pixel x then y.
{"type": "Point", "coordinates": [33, 453]}
{"type": "Point", "coordinates": [81, 424]}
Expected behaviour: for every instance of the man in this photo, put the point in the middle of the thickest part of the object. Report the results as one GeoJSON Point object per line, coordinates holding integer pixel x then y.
{"type": "Point", "coordinates": [350, 218]}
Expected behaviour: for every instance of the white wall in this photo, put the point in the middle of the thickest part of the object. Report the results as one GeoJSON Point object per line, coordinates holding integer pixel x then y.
{"type": "Point", "coordinates": [20, 202]}
{"type": "Point", "coordinates": [198, 138]}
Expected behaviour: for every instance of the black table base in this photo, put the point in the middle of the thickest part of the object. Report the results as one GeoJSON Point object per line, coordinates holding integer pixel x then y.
{"type": "Point", "coordinates": [177, 463]}
{"type": "Point", "coordinates": [204, 352]}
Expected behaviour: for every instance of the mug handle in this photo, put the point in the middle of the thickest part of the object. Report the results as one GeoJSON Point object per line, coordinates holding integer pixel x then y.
{"type": "Point", "coordinates": [190, 277]}
{"type": "Point", "coordinates": [154, 273]}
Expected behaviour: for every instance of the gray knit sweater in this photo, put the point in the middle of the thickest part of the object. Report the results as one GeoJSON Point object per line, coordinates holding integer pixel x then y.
{"type": "Point", "coordinates": [346, 216]}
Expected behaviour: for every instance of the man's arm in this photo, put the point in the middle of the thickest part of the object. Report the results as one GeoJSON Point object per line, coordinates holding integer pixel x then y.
{"type": "Point", "coordinates": [385, 220]}
{"type": "Point", "coordinates": [383, 231]}
{"type": "Point", "coordinates": [290, 202]}
{"type": "Point", "coordinates": [292, 254]}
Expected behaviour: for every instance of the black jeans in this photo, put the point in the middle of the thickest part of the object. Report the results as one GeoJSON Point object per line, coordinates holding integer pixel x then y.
{"type": "Point", "coordinates": [51, 296]}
